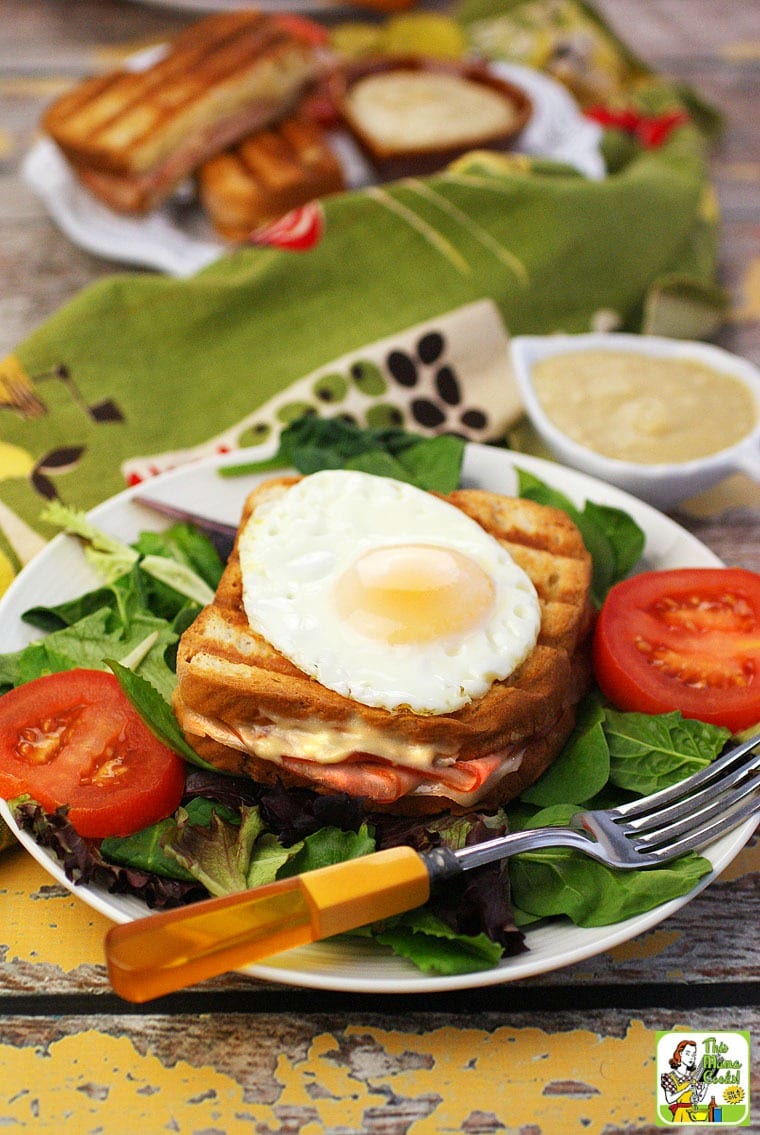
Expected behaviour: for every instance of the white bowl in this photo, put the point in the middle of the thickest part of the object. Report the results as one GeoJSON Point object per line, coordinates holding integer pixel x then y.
{"type": "Point", "coordinates": [662, 485]}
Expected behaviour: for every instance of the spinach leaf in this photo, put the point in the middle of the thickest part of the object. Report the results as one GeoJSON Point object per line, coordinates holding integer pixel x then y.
{"type": "Point", "coordinates": [432, 463]}
{"type": "Point", "coordinates": [145, 851]}
{"type": "Point", "coordinates": [623, 533]}
{"type": "Point", "coordinates": [559, 881]}
{"type": "Point", "coordinates": [312, 443]}
{"type": "Point", "coordinates": [66, 614]}
{"type": "Point", "coordinates": [648, 753]}
{"type": "Point", "coordinates": [156, 712]}
{"type": "Point", "coordinates": [645, 754]}
{"type": "Point", "coordinates": [583, 767]}
{"type": "Point", "coordinates": [434, 947]}
{"type": "Point", "coordinates": [611, 753]}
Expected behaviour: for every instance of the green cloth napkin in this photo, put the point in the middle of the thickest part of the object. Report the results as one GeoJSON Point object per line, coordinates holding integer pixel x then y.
{"type": "Point", "coordinates": [401, 313]}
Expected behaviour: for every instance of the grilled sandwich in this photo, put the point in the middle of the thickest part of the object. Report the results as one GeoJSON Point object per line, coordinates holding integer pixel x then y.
{"type": "Point", "coordinates": [131, 136]}
{"type": "Point", "coordinates": [248, 709]}
{"type": "Point", "coordinates": [266, 175]}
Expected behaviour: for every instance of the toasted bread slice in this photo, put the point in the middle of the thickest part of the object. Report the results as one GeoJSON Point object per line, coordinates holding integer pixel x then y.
{"type": "Point", "coordinates": [247, 709]}
{"type": "Point", "coordinates": [220, 79]}
{"type": "Point", "coordinates": [266, 175]}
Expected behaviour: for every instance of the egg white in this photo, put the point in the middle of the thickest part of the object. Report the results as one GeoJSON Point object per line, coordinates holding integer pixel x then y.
{"type": "Point", "coordinates": [297, 545]}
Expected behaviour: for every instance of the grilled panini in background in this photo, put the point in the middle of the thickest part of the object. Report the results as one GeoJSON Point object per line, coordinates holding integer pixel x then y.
{"type": "Point", "coordinates": [243, 705]}
{"type": "Point", "coordinates": [133, 136]}
{"type": "Point", "coordinates": [266, 175]}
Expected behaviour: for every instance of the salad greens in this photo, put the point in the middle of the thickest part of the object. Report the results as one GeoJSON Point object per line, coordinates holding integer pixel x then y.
{"type": "Point", "coordinates": [231, 833]}
{"type": "Point", "coordinates": [136, 606]}
{"type": "Point", "coordinates": [311, 443]}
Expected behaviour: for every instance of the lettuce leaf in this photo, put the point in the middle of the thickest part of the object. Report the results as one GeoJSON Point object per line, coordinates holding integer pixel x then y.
{"type": "Point", "coordinates": [88, 643]}
{"type": "Point", "coordinates": [218, 856]}
{"type": "Point", "coordinates": [327, 846]}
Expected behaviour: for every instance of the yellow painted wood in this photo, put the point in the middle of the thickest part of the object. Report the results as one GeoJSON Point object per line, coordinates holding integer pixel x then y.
{"type": "Point", "coordinates": [92, 1082]}
{"type": "Point", "coordinates": [528, 1079]}
{"type": "Point", "coordinates": [514, 1079]}
{"type": "Point", "coordinates": [41, 921]}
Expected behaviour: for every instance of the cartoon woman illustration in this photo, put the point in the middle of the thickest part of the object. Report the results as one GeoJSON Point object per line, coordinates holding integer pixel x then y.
{"type": "Point", "coordinates": [683, 1087]}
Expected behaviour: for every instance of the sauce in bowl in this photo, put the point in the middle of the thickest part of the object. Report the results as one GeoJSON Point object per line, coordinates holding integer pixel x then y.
{"type": "Point", "coordinates": [641, 408]}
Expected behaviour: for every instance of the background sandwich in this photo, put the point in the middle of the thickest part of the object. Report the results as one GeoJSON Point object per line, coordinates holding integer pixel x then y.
{"type": "Point", "coordinates": [266, 175]}
{"type": "Point", "coordinates": [131, 136]}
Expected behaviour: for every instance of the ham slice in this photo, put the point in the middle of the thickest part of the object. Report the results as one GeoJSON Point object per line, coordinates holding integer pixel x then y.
{"type": "Point", "coordinates": [381, 783]}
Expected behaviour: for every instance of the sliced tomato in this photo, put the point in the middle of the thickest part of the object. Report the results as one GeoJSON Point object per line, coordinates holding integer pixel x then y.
{"type": "Point", "coordinates": [686, 639]}
{"type": "Point", "coordinates": [74, 738]}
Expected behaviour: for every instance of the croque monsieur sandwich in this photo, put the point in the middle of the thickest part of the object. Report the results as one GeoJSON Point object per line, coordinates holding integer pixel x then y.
{"type": "Point", "coordinates": [131, 136]}
{"type": "Point", "coordinates": [425, 653]}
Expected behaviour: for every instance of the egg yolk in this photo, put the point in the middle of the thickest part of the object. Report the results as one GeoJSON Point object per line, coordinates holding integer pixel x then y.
{"type": "Point", "coordinates": [414, 593]}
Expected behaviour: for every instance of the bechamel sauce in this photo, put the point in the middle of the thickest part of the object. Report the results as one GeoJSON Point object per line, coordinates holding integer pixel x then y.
{"type": "Point", "coordinates": [427, 109]}
{"type": "Point", "coordinates": [643, 409]}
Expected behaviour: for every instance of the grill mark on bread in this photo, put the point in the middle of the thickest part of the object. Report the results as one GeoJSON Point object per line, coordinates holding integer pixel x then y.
{"type": "Point", "coordinates": [268, 174]}
{"type": "Point", "coordinates": [125, 121]}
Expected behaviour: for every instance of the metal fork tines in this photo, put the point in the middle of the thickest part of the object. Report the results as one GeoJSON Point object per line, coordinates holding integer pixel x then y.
{"type": "Point", "coordinates": [687, 816]}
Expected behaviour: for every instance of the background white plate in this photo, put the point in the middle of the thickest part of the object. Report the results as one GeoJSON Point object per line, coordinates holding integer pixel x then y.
{"type": "Point", "coordinates": [60, 572]}
{"type": "Point", "coordinates": [304, 6]}
{"type": "Point", "coordinates": [177, 238]}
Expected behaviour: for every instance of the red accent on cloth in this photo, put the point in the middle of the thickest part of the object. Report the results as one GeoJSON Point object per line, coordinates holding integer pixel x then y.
{"type": "Point", "coordinates": [652, 130]}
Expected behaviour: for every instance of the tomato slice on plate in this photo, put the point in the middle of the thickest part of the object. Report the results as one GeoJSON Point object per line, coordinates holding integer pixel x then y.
{"type": "Point", "coordinates": [74, 738]}
{"type": "Point", "coordinates": [686, 639]}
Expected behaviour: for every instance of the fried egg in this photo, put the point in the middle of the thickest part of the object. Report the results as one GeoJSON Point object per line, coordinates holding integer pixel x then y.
{"type": "Point", "coordinates": [385, 593]}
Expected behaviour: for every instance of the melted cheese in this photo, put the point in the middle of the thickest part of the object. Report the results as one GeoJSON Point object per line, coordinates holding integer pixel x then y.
{"type": "Point", "coordinates": [312, 741]}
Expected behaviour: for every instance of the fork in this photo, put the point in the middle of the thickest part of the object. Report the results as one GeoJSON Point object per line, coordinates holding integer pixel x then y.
{"type": "Point", "coordinates": [164, 952]}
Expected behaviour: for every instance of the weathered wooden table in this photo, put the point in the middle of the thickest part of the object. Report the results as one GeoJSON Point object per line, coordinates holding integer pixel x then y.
{"type": "Point", "coordinates": [571, 1051]}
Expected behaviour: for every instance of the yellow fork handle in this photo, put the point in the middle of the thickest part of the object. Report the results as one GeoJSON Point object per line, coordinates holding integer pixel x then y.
{"type": "Point", "coordinates": [165, 952]}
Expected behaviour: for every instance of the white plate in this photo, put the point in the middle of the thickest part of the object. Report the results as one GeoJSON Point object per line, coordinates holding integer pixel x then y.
{"type": "Point", "coordinates": [60, 572]}
{"type": "Point", "coordinates": [205, 6]}
{"type": "Point", "coordinates": [178, 239]}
